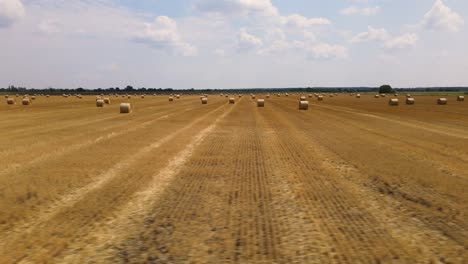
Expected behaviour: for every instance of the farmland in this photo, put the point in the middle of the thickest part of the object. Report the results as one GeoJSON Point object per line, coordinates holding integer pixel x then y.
{"type": "Point", "coordinates": [347, 181]}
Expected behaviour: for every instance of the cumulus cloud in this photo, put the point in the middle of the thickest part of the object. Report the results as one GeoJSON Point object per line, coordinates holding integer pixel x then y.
{"type": "Point", "coordinates": [441, 17]}
{"type": "Point", "coordinates": [327, 51]}
{"type": "Point", "coordinates": [299, 21]}
{"type": "Point", "coordinates": [237, 7]}
{"type": "Point", "coordinates": [163, 34]}
{"type": "Point", "coordinates": [365, 11]}
{"type": "Point", "coordinates": [388, 41]}
{"type": "Point", "coordinates": [10, 12]}
{"type": "Point", "coordinates": [401, 42]}
{"type": "Point", "coordinates": [247, 41]}
{"type": "Point", "coordinates": [373, 34]}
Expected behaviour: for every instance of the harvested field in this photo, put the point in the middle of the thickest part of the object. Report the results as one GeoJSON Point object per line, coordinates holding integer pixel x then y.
{"type": "Point", "coordinates": [348, 181]}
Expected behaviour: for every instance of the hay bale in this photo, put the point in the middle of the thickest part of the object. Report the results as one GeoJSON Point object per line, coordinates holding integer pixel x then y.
{"type": "Point", "coordinates": [261, 103]}
{"type": "Point", "coordinates": [171, 98]}
{"type": "Point", "coordinates": [461, 98]}
{"type": "Point", "coordinates": [125, 108]}
{"type": "Point", "coordinates": [178, 96]}
{"type": "Point", "coordinates": [253, 96]}
{"type": "Point", "coordinates": [231, 100]}
{"type": "Point", "coordinates": [100, 103]}
{"type": "Point", "coordinates": [26, 101]}
{"type": "Point", "coordinates": [303, 105]}
{"type": "Point", "coordinates": [310, 95]}
{"type": "Point", "coordinates": [129, 97]}
{"type": "Point", "coordinates": [442, 101]}
{"type": "Point", "coordinates": [107, 100]}
{"type": "Point", "coordinates": [268, 96]}
{"type": "Point", "coordinates": [393, 102]}
{"type": "Point", "coordinates": [376, 96]}
{"type": "Point", "coordinates": [204, 100]}
{"type": "Point", "coordinates": [396, 95]}
{"type": "Point", "coordinates": [383, 95]}
{"type": "Point", "coordinates": [302, 98]}
{"type": "Point", "coordinates": [11, 101]}
{"type": "Point", "coordinates": [331, 95]}
{"type": "Point", "coordinates": [358, 95]}
{"type": "Point", "coordinates": [410, 101]}
{"type": "Point", "coordinates": [408, 95]}
{"type": "Point", "coordinates": [320, 98]}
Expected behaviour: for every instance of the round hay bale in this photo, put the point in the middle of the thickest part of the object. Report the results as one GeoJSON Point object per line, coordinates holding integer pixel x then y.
{"type": "Point", "coordinates": [261, 103]}
{"type": "Point", "coordinates": [47, 96]}
{"type": "Point", "coordinates": [358, 95]}
{"type": "Point", "coordinates": [178, 96]}
{"type": "Point", "coordinates": [26, 101]}
{"type": "Point", "coordinates": [129, 97]}
{"type": "Point", "coordinates": [331, 95]}
{"type": "Point", "coordinates": [231, 100]}
{"type": "Point", "coordinates": [408, 96]}
{"type": "Point", "coordinates": [204, 100]}
{"type": "Point", "coordinates": [6, 96]}
{"type": "Point", "coordinates": [320, 98]}
{"type": "Point", "coordinates": [100, 103]}
{"type": "Point", "coordinates": [302, 98]}
{"type": "Point", "coordinates": [383, 95]}
{"type": "Point", "coordinates": [107, 100]}
{"type": "Point", "coordinates": [442, 101]}
{"type": "Point", "coordinates": [396, 95]}
{"type": "Point", "coordinates": [393, 102]}
{"type": "Point", "coordinates": [303, 105]}
{"type": "Point", "coordinates": [461, 98]}
{"type": "Point", "coordinates": [410, 101]}
{"type": "Point", "coordinates": [376, 96]}
{"type": "Point", "coordinates": [11, 101]}
{"type": "Point", "coordinates": [253, 96]}
{"type": "Point", "coordinates": [310, 96]}
{"type": "Point", "coordinates": [268, 96]}
{"type": "Point", "coordinates": [171, 98]}
{"type": "Point", "coordinates": [125, 108]}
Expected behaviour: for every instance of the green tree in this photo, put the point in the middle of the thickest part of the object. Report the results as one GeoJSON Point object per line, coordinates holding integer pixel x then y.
{"type": "Point", "coordinates": [385, 89]}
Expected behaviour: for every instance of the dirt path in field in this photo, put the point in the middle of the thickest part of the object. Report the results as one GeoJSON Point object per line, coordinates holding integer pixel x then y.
{"type": "Point", "coordinates": [222, 183]}
{"type": "Point", "coordinates": [50, 221]}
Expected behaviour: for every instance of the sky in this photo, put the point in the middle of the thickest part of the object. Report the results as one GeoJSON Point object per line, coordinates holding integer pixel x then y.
{"type": "Point", "coordinates": [233, 43]}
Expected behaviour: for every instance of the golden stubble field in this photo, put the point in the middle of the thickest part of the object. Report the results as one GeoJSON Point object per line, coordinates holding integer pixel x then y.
{"type": "Point", "coordinates": [348, 181]}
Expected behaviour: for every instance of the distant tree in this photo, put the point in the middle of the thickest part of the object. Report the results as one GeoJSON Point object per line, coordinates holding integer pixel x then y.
{"type": "Point", "coordinates": [385, 89]}
{"type": "Point", "coordinates": [129, 88]}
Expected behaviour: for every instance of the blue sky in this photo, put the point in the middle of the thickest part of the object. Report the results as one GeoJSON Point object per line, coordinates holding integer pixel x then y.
{"type": "Point", "coordinates": [233, 43]}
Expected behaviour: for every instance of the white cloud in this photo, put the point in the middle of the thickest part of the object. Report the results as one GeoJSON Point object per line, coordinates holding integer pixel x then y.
{"type": "Point", "coordinates": [401, 42]}
{"type": "Point", "coordinates": [10, 12]}
{"type": "Point", "coordinates": [299, 21]}
{"type": "Point", "coordinates": [163, 34]}
{"type": "Point", "coordinates": [247, 41]}
{"type": "Point", "coordinates": [237, 7]}
{"type": "Point", "coordinates": [373, 34]}
{"type": "Point", "coordinates": [441, 17]}
{"type": "Point", "coordinates": [388, 41]}
{"type": "Point", "coordinates": [327, 51]}
{"type": "Point", "coordinates": [365, 11]}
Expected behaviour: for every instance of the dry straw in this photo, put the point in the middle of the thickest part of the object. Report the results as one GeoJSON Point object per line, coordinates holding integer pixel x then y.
{"type": "Point", "coordinates": [125, 108]}
{"type": "Point", "coordinates": [393, 102]}
{"type": "Point", "coordinates": [442, 101]}
{"type": "Point", "coordinates": [410, 101]}
{"type": "Point", "coordinates": [261, 103]}
{"type": "Point", "coordinates": [100, 103]}
{"type": "Point", "coordinates": [303, 105]}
